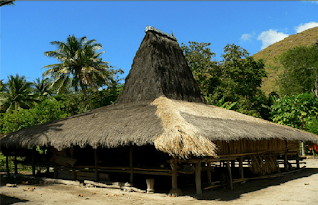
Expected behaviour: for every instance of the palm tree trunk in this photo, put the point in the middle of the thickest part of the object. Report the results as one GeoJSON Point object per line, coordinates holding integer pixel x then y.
{"type": "Point", "coordinates": [85, 94]}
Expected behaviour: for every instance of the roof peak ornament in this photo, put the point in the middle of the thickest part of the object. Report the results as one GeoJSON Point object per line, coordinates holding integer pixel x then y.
{"type": "Point", "coordinates": [151, 28]}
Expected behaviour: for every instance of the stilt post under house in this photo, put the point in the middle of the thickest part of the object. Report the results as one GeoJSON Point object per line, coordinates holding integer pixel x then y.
{"type": "Point", "coordinates": [174, 191]}
{"type": "Point", "coordinates": [7, 166]}
{"type": "Point", "coordinates": [285, 162]}
{"type": "Point", "coordinates": [96, 165]}
{"type": "Point", "coordinates": [131, 165]}
{"type": "Point", "coordinates": [230, 174]}
{"type": "Point", "coordinates": [209, 173]}
{"type": "Point", "coordinates": [241, 167]}
{"type": "Point", "coordinates": [198, 178]}
{"type": "Point", "coordinates": [15, 164]}
{"type": "Point", "coordinates": [33, 160]}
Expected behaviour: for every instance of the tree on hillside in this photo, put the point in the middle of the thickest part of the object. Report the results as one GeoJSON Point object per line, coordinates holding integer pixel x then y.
{"type": "Point", "coordinates": [81, 65]}
{"type": "Point", "coordinates": [17, 93]}
{"type": "Point", "coordinates": [300, 70]}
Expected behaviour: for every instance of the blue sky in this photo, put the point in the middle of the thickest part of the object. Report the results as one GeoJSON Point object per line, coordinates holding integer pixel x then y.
{"type": "Point", "coordinates": [28, 27]}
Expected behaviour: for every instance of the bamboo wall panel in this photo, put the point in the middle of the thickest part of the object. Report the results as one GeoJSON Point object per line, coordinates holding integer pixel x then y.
{"type": "Point", "coordinates": [252, 146]}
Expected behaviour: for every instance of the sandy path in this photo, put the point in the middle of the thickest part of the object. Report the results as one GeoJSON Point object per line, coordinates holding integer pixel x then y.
{"type": "Point", "coordinates": [292, 189]}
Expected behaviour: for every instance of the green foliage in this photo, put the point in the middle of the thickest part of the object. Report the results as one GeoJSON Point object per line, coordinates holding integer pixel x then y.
{"type": "Point", "coordinates": [312, 125]}
{"type": "Point", "coordinates": [237, 78]}
{"type": "Point", "coordinates": [227, 105]}
{"type": "Point", "coordinates": [42, 88]}
{"type": "Point", "coordinates": [300, 70]}
{"type": "Point", "coordinates": [17, 93]}
{"type": "Point", "coordinates": [298, 111]}
{"type": "Point", "coordinates": [81, 66]}
{"type": "Point", "coordinates": [204, 68]}
{"type": "Point", "coordinates": [48, 110]}
{"type": "Point", "coordinates": [241, 78]}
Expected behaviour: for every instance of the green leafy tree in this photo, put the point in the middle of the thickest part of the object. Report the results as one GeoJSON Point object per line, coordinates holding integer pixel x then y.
{"type": "Point", "coordinates": [237, 78]}
{"type": "Point", "coordinates": [48, 110]}
{"type": "Point", "coordinates": [81, 66]}
{"type": "Point", "coordinates": [300, 70]}
{"type": "Point", "coordinates": [241, 78]}
{"type": "Point", "coordinates": [17, 93]}
{"type": "Point", "coordinates": [205, 70]}
{"type": "Point", "coordinates": [299, 111]}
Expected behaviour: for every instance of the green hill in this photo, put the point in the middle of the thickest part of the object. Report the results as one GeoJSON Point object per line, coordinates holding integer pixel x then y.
{"type": "Point", "coordinates": [268, 54]}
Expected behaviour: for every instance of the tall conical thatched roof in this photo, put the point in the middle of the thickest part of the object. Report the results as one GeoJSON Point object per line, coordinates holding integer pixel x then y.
{"type": "Point", "coordinates": [160, 105]}
{"type": "Point", "coordinates": [159, 69]}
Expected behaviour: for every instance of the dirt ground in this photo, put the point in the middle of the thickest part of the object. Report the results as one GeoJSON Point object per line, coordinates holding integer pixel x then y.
{"type": "Point", "coordinates": [291, 189]}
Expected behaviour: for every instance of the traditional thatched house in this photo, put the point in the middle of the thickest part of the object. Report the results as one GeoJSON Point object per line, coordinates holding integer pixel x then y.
{"type": "Point", "coordinates": [160, 117]}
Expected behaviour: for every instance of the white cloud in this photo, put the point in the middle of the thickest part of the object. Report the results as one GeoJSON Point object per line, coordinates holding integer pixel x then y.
{"type": "Point", "coordinates": [271, 36]}
{"type": "Point", "coordinates": [303, 27]}
{"type": "Point", "coordinates": [246, 37]}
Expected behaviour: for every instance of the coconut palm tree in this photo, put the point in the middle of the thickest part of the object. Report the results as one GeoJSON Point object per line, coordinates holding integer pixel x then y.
{"type": "Point", "coordinates": [80, 64]}
{"type": "Point", "coordinates": [42, 87]}
{"type": "Point", "coordinates": [17, 93]}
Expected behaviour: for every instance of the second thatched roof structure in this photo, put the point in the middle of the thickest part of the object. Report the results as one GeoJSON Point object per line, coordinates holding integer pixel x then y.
{"type": "Point", "coordinates": [160, 105]}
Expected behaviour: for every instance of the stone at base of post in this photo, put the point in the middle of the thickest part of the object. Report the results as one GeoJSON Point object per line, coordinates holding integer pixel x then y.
{"type": "Point", "coordinates": [175, 192]}
{"type": "Point", "coordinates": [150, 185]}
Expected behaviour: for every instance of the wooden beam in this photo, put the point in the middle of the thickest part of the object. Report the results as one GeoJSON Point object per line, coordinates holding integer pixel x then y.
{"type": "Point", "coordinates": [96, 165]}
{"type": "Point", "coordinates": [198, 178]}
{"type": "Point", "coordinates": [230, 174]}
{"type": "Point", "coordinates": [33, 160]}
{"type": "Point", "coordinates": [7, 166]}
{"type": "Point", "coordinates": [241, 167]}
{"type": "Point", "coordinates": [131, 165]}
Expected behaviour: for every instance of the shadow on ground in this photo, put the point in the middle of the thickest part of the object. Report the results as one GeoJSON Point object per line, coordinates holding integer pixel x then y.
{"type": "Point", "coordinates": [6, 200]}
{"type": "Point", "coordinates": [222, 194]}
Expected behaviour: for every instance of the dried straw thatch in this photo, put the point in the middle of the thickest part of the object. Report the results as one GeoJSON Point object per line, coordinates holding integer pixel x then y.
{"type": "Point", "coordinates": [160, 105]}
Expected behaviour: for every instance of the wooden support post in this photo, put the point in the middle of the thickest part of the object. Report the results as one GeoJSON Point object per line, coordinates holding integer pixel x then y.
{"type": "Point", "coordinates": [7, 166]}
{"type": "Point", "coordinates": [131, 165]}
{"type": "Point", "coordinates": [230, 174]}
{"type": "Point", "coordinates": [198, 178]}
{"type": "Point", "coordinates": [174, 174]}
{"type": "Point", "coordinates": [47, 171]}
{"type": "Point", "coordinates": [285, 162]}
{"type": "Point", "coordinates": [209, 173]}
{"type": "Point", "coordinates": [297, 161]}
{"type": "Point", "coordinates": [33, 160]}
{"type": "Point", "coordinates": [55, 171]}
{"type": "Point", "coordinates": [232, 164]}
{"type": "Point", "coordinates": [74, 174]}
{"type": "Point", "coordinates": [96, 165]}
{"type": "Point", "coordinates": [15, 164]}
{"type": "Point", "coordinates": [302, 149]}
{"type": "Point", "coordinates": [241, 167]}
{"type": "Point", "coordinates": [174, 190]}
{"type": "Point", "coordinates": [150, 185]}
